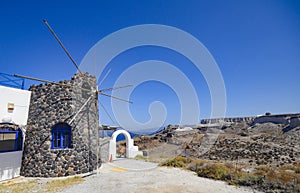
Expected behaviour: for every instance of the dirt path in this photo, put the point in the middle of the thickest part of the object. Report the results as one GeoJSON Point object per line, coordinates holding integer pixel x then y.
{"type": "Point", "coordinates": [164, 152]}
{"type": "Point", "coordinates": [138, 176]}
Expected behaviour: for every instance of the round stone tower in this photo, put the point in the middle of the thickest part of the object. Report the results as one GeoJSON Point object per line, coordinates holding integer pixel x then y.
{"type": "Point", "coordinates": [62, 130]}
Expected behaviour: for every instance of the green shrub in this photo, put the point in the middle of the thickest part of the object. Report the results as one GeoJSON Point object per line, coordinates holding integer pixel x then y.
{"type": "Point", "coordinates": [177, 162]}
{"type": "Point", "coordinates": [214, 171]}
{"type": "Point", "coordinates": [140, 157]}
{"type": "Point", "coordinates": [267, 113]}
{"type": "Point", "coordinates": [195, 165]}
{"type": "Point", "coordinates": [264, 177]}
{"type": "Point", "coordinates": [250, 180]}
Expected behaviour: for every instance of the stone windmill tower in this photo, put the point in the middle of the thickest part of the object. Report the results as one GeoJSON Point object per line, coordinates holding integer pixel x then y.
{"type": "Point", "coordinates": [62, 131]}
{"type": "Point", "coordinates": [61, 135]}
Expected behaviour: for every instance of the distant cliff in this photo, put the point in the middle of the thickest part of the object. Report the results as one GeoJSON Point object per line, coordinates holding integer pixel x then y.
{"type": "Point", "coordinates": [231, 120]}
{"type": "Point", "coordinates": [285, 119]}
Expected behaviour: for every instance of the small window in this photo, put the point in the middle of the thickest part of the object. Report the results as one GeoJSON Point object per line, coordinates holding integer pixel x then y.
{"type": "Point", "coordinates": [10, 140]}
{"type": "Point", "coordinates": [85, 90]}
{"type": "Point", "coordinates": [61, 136]}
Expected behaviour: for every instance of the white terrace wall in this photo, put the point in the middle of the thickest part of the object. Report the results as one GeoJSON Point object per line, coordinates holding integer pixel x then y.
{"type": "Point", "coordinates": [10, 162]}
{"type": "Point", "coordinates": [20, 100]}
{"type": "Point", "coordinates": [10, 165]}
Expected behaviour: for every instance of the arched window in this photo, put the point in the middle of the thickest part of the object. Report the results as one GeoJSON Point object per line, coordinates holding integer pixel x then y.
{"type": "Point", "coordinates": [11, 138]}
{"type": "Point", "coordinates": [61, 136]}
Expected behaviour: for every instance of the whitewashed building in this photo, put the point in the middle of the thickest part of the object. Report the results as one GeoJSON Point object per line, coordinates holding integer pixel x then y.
{"type": "Point", "coordinates": [14, 106]}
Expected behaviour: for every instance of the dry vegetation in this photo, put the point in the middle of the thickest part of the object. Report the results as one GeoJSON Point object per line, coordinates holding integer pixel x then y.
{"type": "Point", "coordinates": [264, 178]}
{"type": "Point", "coordinates": [140, 157]}
{"type": "Point", "coordinates": [58, 185]}
{"type": "Point", "coordinates": [264, 156]}
{"type": "Point", "coordinates": [36, 185]}
{"type": "Point", "coordinates": [18, 187]}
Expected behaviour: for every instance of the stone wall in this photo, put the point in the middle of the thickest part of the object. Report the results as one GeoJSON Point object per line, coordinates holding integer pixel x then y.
{"type": "Point", "coordinates": [51, 104]}
{"type": "Point", "coordinates": [104, 149]}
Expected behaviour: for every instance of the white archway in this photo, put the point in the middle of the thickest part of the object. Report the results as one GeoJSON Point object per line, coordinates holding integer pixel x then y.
{"type": "Point", "coordinates": [131, 150]}
{"type": "Point", "coordinates": [118, 132]}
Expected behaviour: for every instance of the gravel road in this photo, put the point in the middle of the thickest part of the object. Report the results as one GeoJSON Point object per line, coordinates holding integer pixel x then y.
{"type": "Point", "coordinates": [135, 176]}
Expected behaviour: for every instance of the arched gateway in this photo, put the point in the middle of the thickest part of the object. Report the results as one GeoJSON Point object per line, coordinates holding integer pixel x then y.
{"type": "Point", "coordinates": [131, 150]}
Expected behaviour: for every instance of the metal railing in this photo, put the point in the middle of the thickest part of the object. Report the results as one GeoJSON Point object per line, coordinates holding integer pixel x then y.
{"type": "Point", "coordinates": [11, 81]}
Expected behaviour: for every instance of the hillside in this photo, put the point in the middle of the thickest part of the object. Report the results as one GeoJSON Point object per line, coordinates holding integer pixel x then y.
{"type": "Point", "coordinates": [260, 152]}
{"type": "Point", "coordinates": [250, 141]}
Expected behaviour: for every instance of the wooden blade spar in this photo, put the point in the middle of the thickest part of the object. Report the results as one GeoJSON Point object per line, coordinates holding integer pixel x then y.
{"type": "Point", "coordinates": [61, 44]}
{"type": "Point", "coordinates": [69, 85]}
{"type": "Point", "coordinates": [114, 88]}
{"type": "Point", "coordinates": [116, 97]}
{"type": "Point", "coordinates": [97, 91]}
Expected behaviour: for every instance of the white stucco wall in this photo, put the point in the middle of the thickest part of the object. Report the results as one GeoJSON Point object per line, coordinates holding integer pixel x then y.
{"type": "Point", "coordinates": [10, 165]}
{"type": "Point", "coordinates": [20, 99]}
{"type": "Point", "coordinates": [10, 162]}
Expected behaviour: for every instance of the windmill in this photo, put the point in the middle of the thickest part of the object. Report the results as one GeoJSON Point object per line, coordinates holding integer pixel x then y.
{"type": "Point", "coordinates": [88, 96]}
{"type": "Point", "coordinates": [97, 91]}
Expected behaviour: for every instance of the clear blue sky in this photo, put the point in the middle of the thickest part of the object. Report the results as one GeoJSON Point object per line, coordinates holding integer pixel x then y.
{"type": "Point", "coordinates": [255, 43]}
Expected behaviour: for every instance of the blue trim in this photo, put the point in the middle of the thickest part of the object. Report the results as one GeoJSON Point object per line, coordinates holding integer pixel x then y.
{"type": "Point", "coordinates": [16, 141]}
{"type": "Point", "coordinates": [18, 144]}
{"type": "Point", "coordinates": [11, 81]}
{"type": "Point", "coordinates": [61, 136]}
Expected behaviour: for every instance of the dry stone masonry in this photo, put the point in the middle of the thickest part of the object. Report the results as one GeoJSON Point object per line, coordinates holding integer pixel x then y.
{"type": "Point", "coordinates": [75, 105]}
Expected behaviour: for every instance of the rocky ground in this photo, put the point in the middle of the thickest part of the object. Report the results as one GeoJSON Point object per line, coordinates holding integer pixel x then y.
{"type": "Point", "coordinates": [264, 156]}
{"type": "Point", "coordinates": [267, 143]}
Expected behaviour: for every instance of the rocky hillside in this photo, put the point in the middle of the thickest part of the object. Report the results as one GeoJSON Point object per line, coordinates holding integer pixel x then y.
{"type": "Point", "coordinates": [248, 141]}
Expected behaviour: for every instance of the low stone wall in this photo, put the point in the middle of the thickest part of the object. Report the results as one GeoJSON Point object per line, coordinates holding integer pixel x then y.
{"type": "Point", "coordinates": [104, 149]}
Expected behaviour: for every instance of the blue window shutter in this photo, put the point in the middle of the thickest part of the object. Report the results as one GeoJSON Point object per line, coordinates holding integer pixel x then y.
{"type": "Point", "coordinates": [61, 136]}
